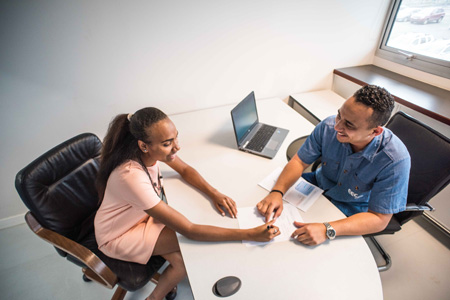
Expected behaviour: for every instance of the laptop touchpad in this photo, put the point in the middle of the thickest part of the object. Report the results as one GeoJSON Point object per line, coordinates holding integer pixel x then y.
{"type": "Point", "coordinates": [272, 145]}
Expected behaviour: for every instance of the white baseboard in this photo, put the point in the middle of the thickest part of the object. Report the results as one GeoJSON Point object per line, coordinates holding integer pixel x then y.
{"type": "Point", "coordinates": [12, 221]}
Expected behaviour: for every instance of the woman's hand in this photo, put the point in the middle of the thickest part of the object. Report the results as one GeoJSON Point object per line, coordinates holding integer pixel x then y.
{"type": "Point", "coordinates": [264, 233]}
{"type": "Point", "coordinates": [222, 201]}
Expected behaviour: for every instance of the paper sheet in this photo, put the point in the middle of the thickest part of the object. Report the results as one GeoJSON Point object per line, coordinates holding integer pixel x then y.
{"type": "Point", "coordinates": [302, 194]}
{"type": "Point", "coordinates": [249, 217]}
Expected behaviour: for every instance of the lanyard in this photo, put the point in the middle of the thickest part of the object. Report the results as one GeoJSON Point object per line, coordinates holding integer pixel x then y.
{"type": "Point", "coordinates": [161, 194]}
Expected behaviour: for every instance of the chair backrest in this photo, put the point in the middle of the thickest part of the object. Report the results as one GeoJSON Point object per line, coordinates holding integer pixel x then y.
{"type": "Point", "coordinates": [430, 160]}
{"type": "Point", "coordinates": [59, 186]}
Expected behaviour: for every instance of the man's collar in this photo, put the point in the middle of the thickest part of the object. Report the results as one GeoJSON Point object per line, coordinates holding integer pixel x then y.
{"type": "Point", "coordinates": [370, 150]}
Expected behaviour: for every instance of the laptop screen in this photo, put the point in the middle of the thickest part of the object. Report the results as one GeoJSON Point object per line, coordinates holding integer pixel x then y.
{"type": "Point", "coordinates": [244, 116]}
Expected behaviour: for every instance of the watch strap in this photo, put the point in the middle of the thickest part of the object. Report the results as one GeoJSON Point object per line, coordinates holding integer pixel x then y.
{"type": "Point", "coordinates": [328, 228]}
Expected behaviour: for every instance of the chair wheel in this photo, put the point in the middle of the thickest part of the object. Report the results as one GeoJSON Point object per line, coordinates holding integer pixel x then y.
{"type": "Point", "coordinates": [85, 279]}
{"type": "Point", "coordinates": [172, 294]}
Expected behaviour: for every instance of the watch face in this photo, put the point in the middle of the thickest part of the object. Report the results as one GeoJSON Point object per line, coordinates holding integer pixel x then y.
{"type": "Point", "coordinates": [331, 233]}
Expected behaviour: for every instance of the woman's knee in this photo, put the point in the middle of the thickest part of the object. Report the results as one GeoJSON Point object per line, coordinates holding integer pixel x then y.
{"type": "Point", "coordinates": [174, 258]}
{"type": "Point", "coordinates": [176, 261]}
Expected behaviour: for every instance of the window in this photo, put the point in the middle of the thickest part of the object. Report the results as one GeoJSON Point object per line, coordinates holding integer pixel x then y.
{"type": "Point", "coordinates": [417, 34]}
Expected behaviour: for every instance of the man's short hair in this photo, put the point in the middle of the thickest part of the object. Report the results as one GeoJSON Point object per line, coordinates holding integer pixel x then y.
{"type": "Point", "coordinates": [379, 99]}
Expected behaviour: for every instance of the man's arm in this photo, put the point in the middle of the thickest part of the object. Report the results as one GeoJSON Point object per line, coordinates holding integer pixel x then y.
{"type": "Point", "coordinates": [273, 201]}
{"type": "Point", "coordinates": [357, 224]}
{"type": "Point", "coordinates": [195, 179]}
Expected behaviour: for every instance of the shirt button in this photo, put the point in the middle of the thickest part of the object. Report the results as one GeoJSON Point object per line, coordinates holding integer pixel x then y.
{"type": "Point", "coordinates": [339, 184]}
{"type": "Point", "coordinates": [356, 187]}
{"type": "Point", "coordinates": [345, 171]}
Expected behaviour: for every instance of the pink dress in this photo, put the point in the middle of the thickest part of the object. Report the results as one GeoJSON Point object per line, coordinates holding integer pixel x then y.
{"type": "Point", "coordinates": [122, 228]}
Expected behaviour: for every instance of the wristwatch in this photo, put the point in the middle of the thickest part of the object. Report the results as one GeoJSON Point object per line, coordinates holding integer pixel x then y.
{"type": "Point", "coordinates": [331, 233]}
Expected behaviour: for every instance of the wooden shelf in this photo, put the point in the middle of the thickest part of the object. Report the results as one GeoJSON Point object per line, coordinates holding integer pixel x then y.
{"type": "Point", "coordinates": [424, 98]}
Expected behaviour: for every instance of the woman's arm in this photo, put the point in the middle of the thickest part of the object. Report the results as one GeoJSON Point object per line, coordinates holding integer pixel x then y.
{"type": "Point", "coordinates": [179, 223]}
{"type": "Point", "coordinates": [195, 179]}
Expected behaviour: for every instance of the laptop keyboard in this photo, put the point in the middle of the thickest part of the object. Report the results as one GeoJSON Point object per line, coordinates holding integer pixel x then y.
{"type": "Point", "coordinates": [261, 138]}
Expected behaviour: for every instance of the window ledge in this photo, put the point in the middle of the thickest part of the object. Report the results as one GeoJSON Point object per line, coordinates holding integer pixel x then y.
{"type": "Point", "coordinates": [424, 98]}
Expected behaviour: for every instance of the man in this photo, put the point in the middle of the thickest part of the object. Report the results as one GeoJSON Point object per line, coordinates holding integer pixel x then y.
{"type": "Point", "coordinates": [365, 169]}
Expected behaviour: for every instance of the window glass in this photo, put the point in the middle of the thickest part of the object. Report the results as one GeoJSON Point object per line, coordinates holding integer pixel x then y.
{"type": "Point", "coordinates": [417, 34]}
{"type": "Point", "coordinates": [421, 27]}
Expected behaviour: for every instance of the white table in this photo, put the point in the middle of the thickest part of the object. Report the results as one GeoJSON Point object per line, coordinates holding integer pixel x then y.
{"type": "Point", "coordinates": [340, 269]}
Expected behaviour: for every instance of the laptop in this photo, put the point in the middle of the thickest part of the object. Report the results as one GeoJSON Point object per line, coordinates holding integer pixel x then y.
{"type": "Point", "coordinates": [253, 136]}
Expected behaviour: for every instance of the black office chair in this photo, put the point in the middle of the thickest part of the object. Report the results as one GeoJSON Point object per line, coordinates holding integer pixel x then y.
{"type": "Point", "coordinates": [59, 190]}
{"type": "Point", "coordinates": [430, 172]}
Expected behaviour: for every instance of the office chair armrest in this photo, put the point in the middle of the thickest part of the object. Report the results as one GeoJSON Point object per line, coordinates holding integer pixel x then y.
{"type": "Point", "coordinates": [413, 207]}
{"type": "Point", "coordinates": [96, 269]}
{"type": "Point", "coordinates": [316, 164]}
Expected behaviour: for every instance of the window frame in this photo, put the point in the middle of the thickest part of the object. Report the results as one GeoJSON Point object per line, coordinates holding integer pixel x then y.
{"type": "Point", "coordinates": [420, 62]}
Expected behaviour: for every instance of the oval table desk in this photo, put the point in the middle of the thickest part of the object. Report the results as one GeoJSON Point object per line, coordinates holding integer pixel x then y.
{"type": "Point", "coordinates": [340, 269]}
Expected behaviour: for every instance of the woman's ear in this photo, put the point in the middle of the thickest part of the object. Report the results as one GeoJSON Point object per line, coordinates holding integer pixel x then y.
{"type": "Point", "coordinates": [142, 146]}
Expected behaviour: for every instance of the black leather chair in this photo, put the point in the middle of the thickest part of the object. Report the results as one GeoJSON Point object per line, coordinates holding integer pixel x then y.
{"type": "Point", "coordinates": [430, 172]}
{"type": "Point", "coordinates": [59, 190]}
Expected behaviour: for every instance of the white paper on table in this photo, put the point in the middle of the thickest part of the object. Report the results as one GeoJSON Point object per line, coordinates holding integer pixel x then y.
{"type": "Point", "coordinates": [249, 217]}
{"type": "Point", "coordinates": [302, 194]}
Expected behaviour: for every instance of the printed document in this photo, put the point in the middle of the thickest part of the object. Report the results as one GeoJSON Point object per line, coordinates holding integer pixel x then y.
{"type": "Point", "coordinates": [302, 194]}
{"type": "Point", "coordinates": [249, 217]}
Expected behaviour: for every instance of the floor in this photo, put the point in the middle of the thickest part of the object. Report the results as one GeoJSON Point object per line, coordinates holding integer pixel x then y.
{"type": "Point", "coordinates": [31, 269]}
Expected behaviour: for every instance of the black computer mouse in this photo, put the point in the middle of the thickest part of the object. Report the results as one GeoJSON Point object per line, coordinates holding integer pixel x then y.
{"type": "Point", "coordinates": [227, 286]}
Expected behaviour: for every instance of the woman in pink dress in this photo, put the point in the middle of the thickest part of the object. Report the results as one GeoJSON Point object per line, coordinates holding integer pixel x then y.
{"type": "Point", "coordinates": [134, 222]}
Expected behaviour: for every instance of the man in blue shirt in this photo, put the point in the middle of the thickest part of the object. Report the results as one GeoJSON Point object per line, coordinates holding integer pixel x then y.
{"type": "Point", "coordinates": [365, 169]}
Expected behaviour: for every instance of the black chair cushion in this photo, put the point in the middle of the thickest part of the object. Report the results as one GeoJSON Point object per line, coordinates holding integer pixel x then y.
{"type": "Point", "coordinates": [131, 276]}
{"type": "Point", "coordinates": [430, 160]}
{"type": "Point", "coordinates": [50, 186]}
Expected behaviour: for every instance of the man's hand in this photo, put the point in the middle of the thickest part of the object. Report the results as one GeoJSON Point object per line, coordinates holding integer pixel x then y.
{"type": "Point", "coordinates": [270, 204]}
{"type": "Point", "coordinates": [310, 233]}
{"type": "Point", "coordinates": [222, 201]}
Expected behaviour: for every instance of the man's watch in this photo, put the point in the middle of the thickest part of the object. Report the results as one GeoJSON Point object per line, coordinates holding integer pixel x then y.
{"type": "Point", "coordinates": [331, 233]}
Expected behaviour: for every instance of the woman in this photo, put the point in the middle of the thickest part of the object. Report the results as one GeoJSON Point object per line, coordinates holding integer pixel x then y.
{"type": "Point", "coordinates": [133, 221]}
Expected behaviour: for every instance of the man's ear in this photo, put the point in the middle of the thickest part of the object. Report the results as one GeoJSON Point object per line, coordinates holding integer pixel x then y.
{"type": "Point", "coordinates": [377, 131]}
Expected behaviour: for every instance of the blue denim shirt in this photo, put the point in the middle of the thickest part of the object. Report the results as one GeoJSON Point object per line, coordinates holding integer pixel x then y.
{"type": "Point", "coordinates": [375, 178]}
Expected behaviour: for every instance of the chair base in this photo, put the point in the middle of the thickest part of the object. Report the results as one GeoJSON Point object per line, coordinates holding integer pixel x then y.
{"type": "Point", "coordinates": [384, 254]}
{"type": "Point", "coordinates": [119, 294]}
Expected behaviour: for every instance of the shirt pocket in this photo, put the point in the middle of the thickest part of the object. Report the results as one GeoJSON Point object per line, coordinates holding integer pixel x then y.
{"type": "Point", "coordinates": [358, 185]}
{"type": "Point", "coordinates": [330, 169]}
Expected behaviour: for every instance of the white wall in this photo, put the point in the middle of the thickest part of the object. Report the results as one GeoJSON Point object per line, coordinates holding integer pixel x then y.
{"type": "Point", "coordinates": [68, 67]}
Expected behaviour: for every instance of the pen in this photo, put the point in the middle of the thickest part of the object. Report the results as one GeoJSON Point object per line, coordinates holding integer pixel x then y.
{"type": "Point", "coordinates": [271, 226]}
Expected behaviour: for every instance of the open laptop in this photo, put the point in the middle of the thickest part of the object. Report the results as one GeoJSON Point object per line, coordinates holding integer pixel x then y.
{"type": "Point", "coordinates": [253, 136]}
